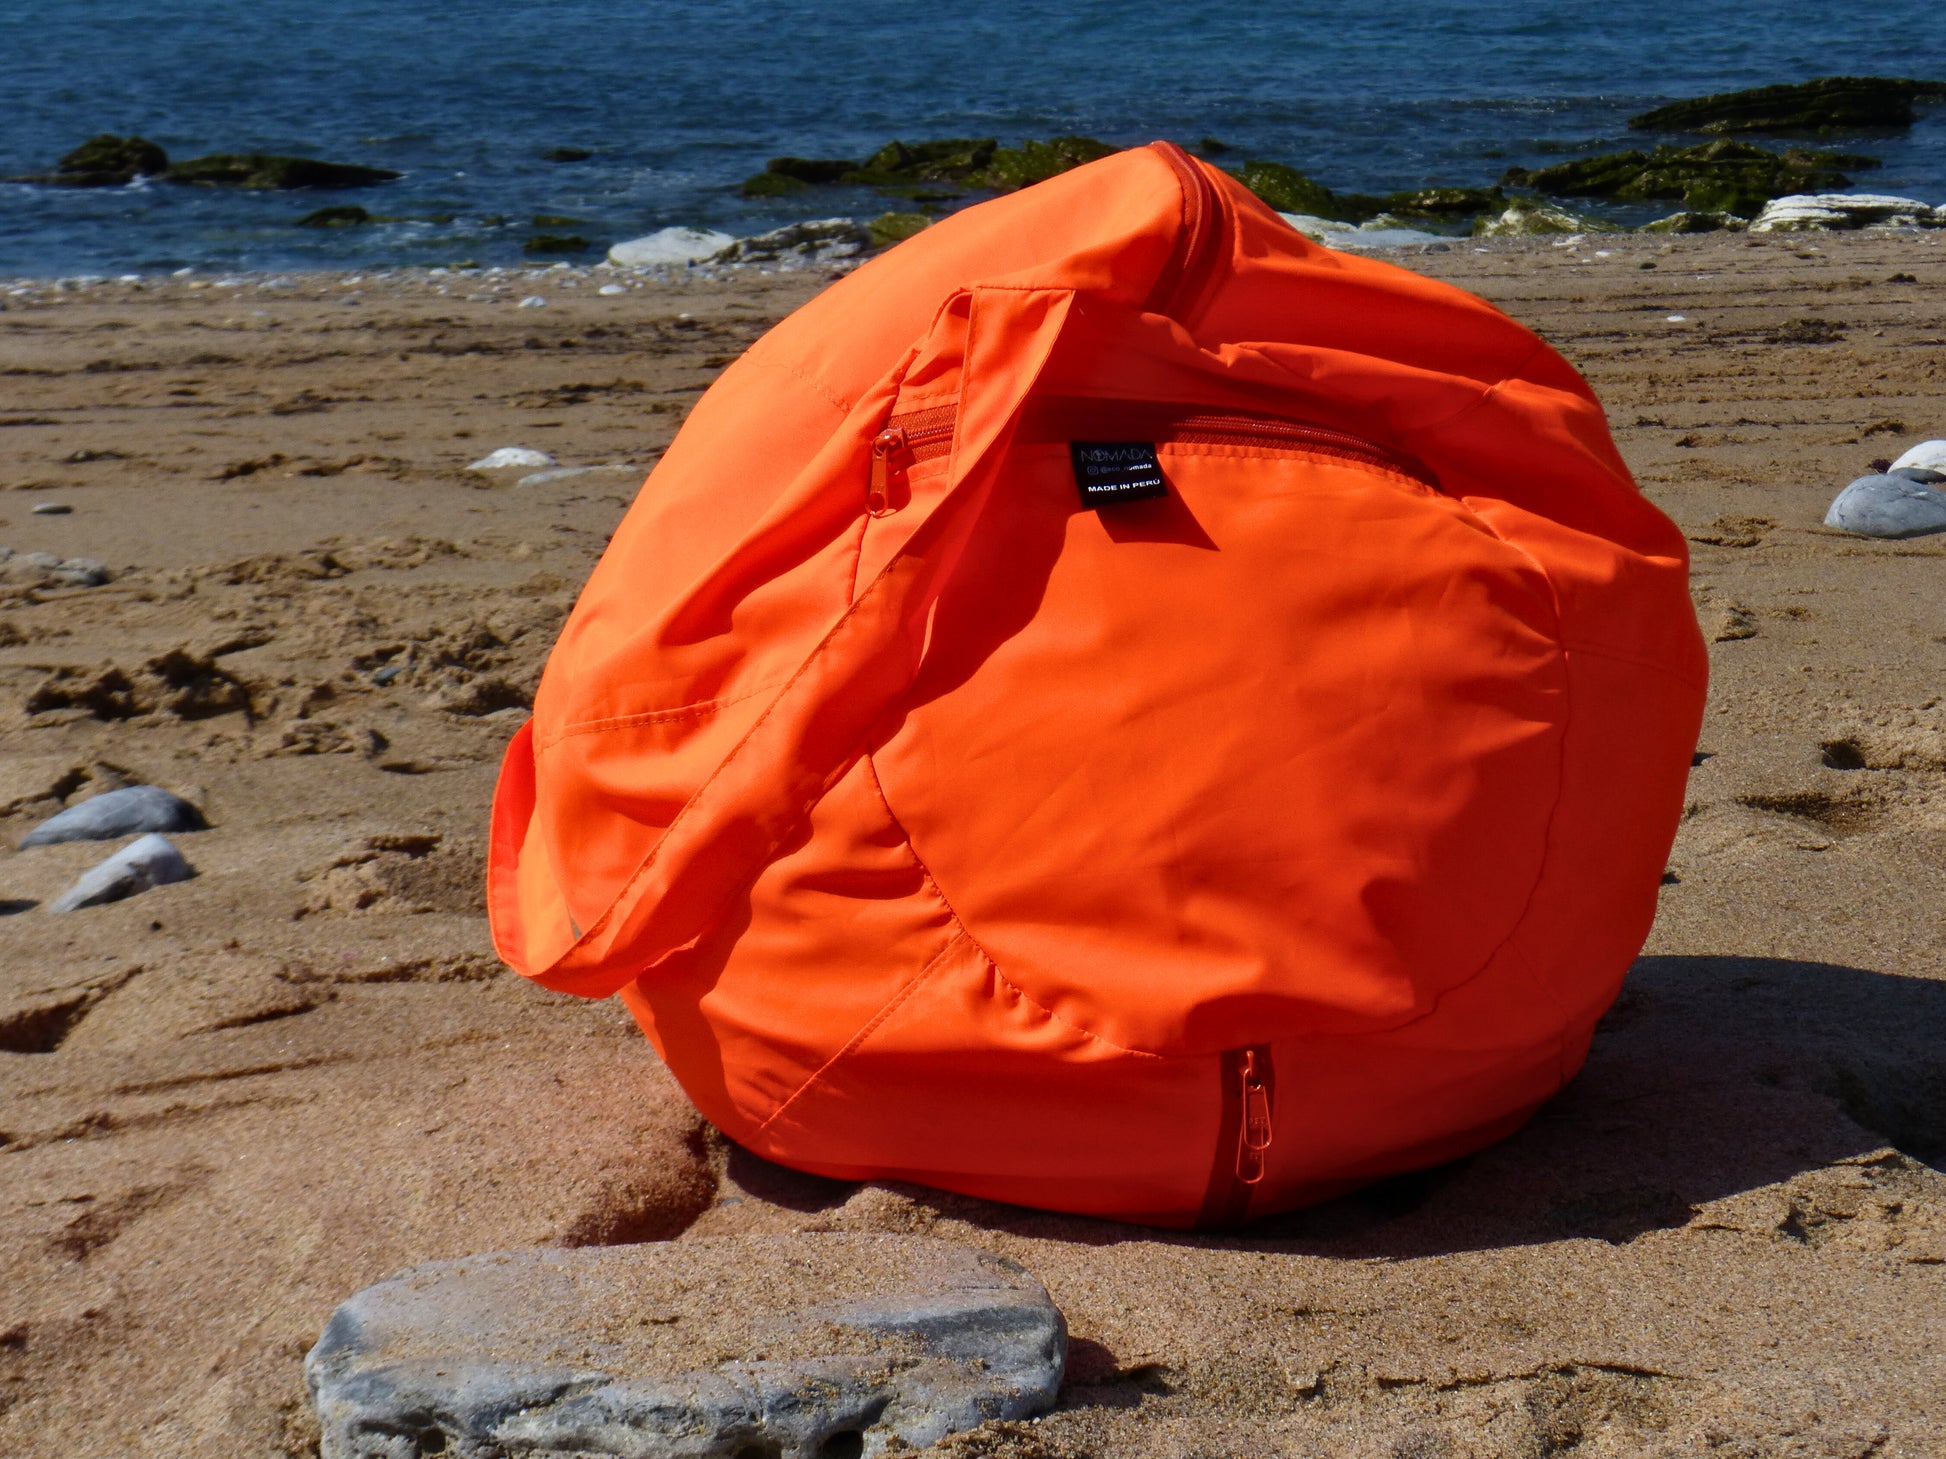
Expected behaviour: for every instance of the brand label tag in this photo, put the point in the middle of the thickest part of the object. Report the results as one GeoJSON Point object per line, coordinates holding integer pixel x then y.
{"type": "Point", "coordinates": [1116, 471]}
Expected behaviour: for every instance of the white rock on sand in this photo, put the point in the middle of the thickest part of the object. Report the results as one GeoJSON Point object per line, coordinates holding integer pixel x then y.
{"type": "Point", "coordinates": [510, 456]}
{"type": "Point", "coordinates": [670, 245]}
{"type": "Point", "coordinates": [1926, 456]}
{"type": "Point", "coordinates": [1809, 211]}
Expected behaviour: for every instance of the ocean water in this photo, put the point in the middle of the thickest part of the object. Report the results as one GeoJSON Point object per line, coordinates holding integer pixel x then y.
{"type": "Point", "coordinates": [682, 99]}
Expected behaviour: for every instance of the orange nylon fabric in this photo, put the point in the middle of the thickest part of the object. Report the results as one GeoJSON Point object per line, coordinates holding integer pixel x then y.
{"type": "Point", "coordinates": [1179, 859]}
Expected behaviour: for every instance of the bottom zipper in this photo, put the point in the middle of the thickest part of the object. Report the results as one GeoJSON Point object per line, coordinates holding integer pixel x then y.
{"type": "Point", "coordinates": [1243, 1135]}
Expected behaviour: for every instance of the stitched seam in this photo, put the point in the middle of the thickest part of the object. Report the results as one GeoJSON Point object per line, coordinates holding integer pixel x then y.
{"type": "Point", "coordinates": [823, 391]}
{"type": "Point", "coordinates": [892, 1005]}
{"type": "Point", "coordinates": [878, 786]}
{"type": "Point", "coordinates": [1485, 395]}
{"type": "Point", "coordinates": [660, 716]}
{"type": "Point", "coordinates": [1637, 661]}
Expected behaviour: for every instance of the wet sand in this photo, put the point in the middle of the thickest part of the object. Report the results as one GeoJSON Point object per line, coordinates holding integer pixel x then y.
{"type": "Point", "coordinates": [227, 1104]}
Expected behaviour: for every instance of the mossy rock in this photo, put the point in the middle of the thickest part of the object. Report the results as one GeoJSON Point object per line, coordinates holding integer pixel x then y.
{"type": "Point", "coordinates": [556, 220]}
{"type": "Point", "coordinates": [771, 185]}
{"type": "Point", "coordinates": [952, 159]}
{"type": "Point", "coordinates": [1290, 191]}
{"type": "Point", "coordinates": [267, 171]}
{"type": "Point", "coordinates": [1809, 108]}
{"type": "Point", "coordinates": [350, 216]}
{"type": "Point", "coordinates": [1444, 202]}
{"type": "Point", "coordinates": [567, 154]}
{"type": "Point", "coordinates": [109, 161]}
{"type": "Point", "coordinates": [556, 243]}
{"type": "Point", "coordinates": [1531, 217]}
{"type": "Point", "coordinates": [1013, 168]}
{"type": "Point", "coordinates": [1689, 222]}
{"type": "Point", "coordinates": [817, 171]}
{"type": "Point", "coordinates": [1726, 176]}
{"type": "Point", "coordinates": [890, 228]}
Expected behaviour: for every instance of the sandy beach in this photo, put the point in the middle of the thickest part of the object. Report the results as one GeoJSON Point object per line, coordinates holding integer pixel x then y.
{"type": "Point", "coordinates": [228, 1104]}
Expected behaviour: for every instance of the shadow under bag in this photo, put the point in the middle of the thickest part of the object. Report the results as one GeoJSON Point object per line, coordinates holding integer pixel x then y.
{"type": "Point", "coordinates": [1115, 707]}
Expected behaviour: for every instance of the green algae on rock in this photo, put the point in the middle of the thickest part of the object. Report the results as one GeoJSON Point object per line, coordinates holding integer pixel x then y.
{"type": "Point", "coordinates": [1443, 202]}
{"type": "Point", "coordinates": [107, 160]}
{"type": "Point", "coordinates": [1726, 176]}
{"type": "Point", "coordinates": [1828, 104]}
{"type": "Point", "coordinates": [1013, 168]}
{"type": "Point", "coordinates": [1290, 191]}
{"type": "Point", "coordinates": [890, 228]}
{"type": "Point", "coordinates": [901, 167]}
{"type": "Point", "coordinates": [1530, 217]}
{"type": "Point", "coordinates": [344, 216]}
{"type": "Point", "coordinates": [1697, 222]}
{"type": "Point", "coordinates": [268, 171]}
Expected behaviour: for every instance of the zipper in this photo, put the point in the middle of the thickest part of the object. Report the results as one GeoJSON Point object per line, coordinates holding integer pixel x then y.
{"type": "Point", "coordinates": [1227, 430]}
{"type": "Point", "coordinates": [1243, 1135]}
{"type": "Point", "coordinates": [1198, 241]}
{"type": "Point", "coordinates": [916, 436]}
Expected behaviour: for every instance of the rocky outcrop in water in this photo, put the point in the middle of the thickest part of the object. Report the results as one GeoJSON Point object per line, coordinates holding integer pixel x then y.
{"type": "Point", "coordinates": [269, 171]}
{"type": "Point", "coordinates": [1810, 108]}
{"type": "Point", "coordinates": [1734, 177]}
{"type": "Point", "coordinates": [954, 162]}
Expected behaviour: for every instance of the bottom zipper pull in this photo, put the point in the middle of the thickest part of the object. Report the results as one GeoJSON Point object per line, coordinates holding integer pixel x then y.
{"type": "Point", "coordinates": [877, 495]}
{"type": "Point", "coordinates": [1253, 1138]}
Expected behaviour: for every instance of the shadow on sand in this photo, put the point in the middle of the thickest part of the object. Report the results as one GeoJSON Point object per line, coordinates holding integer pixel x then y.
{"type": "Point", "coordinates": [1710, 1076]}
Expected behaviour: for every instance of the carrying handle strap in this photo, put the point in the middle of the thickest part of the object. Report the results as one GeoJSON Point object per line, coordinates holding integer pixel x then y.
{"type": "Point", "coordinates": [819, 721]}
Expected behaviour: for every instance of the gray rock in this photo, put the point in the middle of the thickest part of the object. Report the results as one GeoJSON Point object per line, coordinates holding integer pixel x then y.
{"type": "Point", "coordinates": [1922, 474]}
{"type": "Point", "coordinates": [824, 240]}
{"type": "Point", "coordinates": [125, 812]}
{"type": "Point", "coordinates": [138, 866]}
{"type": "Point", "coordinates": [791, 1347]}
{"type": "Point", "coordinates": [51, 509]}
{"type": "Point", "coordinates": [44, 569]}
{"type": "Point", "coordinates": [1888, 506]}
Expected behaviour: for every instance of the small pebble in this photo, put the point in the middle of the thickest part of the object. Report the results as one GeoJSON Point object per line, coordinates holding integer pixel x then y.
{"type": "Point", "coordinates": [611, 290]}
{"type": "Point", "coordinates": [533, 301]}
{"type": "Point", "coordinates": [1677, 319]}
{"type": "Point", "coordinates": [51, 509]}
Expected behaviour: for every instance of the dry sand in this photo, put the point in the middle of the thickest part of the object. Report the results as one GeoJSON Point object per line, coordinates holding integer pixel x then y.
{"type": "Point", "coordinates": [227, 1104]}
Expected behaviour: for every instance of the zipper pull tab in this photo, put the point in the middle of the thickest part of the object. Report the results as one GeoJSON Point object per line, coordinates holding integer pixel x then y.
{"type": "Point", "coordinates": [877, 497]}
{"type": "Point", "coordinates": [1254, 1137]}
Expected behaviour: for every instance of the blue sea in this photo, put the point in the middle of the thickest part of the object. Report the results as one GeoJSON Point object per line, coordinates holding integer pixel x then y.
{"type": "Point", "coordinates": [681, 100]}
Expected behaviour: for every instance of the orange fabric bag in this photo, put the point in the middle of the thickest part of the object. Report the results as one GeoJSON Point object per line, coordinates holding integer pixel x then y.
{"type": "Point", "coordinates": [1279, 818]}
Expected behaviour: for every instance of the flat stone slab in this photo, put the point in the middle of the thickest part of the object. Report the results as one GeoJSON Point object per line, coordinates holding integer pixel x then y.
{"type": "Point", "coordinates": [823, 1346]}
